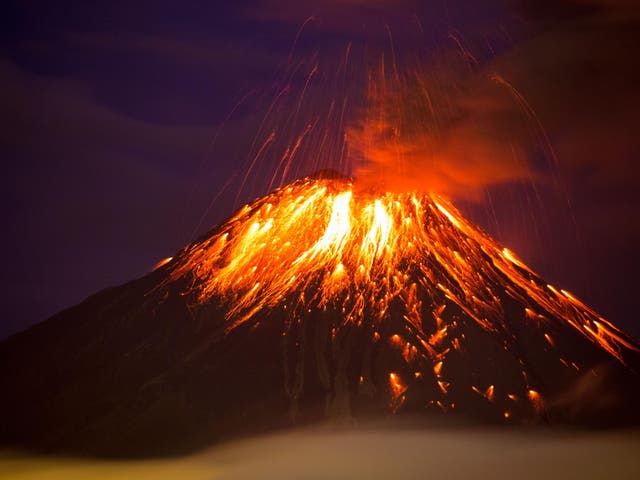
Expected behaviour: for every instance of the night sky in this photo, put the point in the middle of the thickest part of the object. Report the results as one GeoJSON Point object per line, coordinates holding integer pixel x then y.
{"type": "Point", "coordinates": [128, 128]}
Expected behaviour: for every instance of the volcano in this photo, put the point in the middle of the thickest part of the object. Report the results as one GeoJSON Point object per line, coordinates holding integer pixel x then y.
{"type": "Point", "coordinates": [318, 301]}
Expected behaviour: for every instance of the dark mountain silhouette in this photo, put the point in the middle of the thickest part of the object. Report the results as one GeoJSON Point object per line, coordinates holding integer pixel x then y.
{"type": "Point", "coordinates": [313, 303]}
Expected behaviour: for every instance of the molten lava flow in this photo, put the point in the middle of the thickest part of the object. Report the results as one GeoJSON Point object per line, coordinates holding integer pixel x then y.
{"type": "Point", "coordinates": [320, 245]}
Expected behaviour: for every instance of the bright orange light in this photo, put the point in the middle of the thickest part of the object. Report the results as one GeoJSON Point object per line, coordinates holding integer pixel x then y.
{"type": "Point", "coordinates": [444, 386]}
{"type": "Point", "coordinates": [536, 400]}
{"type": "Point", "coordinates": [549, 339]}
{"type": "Point", "coordinates": [489, 393]}
{"type": "Point", "coordinates": [162, 263]}
{"type": "Point", "coordinates": [397, 387]}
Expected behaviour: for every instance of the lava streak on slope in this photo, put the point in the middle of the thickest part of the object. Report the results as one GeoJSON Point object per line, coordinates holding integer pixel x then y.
{"type": "Point", "coordinates": [457, 318]}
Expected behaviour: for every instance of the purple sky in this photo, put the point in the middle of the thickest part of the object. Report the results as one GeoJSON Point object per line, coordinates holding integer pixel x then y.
{"type": "Point", "coordinates": [124, 122]}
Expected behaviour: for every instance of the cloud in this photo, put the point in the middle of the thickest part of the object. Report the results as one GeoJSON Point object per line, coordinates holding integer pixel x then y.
{"type": "Point", "coordinates": [208, 52]}
{"type": "Point", "coordinates": [41, 113]}
{"type": "Point", "coordinates": [373, 452]}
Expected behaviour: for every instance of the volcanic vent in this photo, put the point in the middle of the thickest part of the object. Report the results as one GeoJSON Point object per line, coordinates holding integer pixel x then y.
{"type": "Point", "coordinates": [317, 300]}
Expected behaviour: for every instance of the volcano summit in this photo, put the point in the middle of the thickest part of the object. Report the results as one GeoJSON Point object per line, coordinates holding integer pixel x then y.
{"type": "Point", "coordinates": [316, 301]}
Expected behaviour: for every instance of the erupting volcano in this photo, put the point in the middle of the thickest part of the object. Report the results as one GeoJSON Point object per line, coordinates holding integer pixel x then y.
{"type": "Point", "coordinates": [402, 269]}
{"type": "Point", "coordinates": [319, 300]}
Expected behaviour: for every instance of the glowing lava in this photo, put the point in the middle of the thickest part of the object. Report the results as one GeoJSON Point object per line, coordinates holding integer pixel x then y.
{"type": "Point", "coordinates": [319, 245]}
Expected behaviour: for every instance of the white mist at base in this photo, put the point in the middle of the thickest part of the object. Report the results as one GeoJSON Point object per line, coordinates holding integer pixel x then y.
{"type": "Point", "coordinates": [371, 454]}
